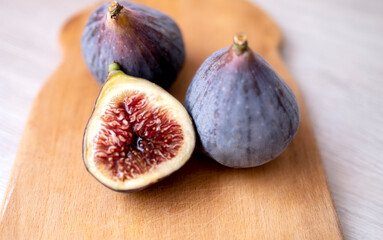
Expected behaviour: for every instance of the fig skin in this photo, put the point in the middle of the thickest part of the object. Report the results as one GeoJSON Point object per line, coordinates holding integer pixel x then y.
{"type": "Point", "coordinates": [244, 113]}
{"type": "Point", "coordinates": [117, 86]}
{"type": "Point", "coordinates": [145, 42]}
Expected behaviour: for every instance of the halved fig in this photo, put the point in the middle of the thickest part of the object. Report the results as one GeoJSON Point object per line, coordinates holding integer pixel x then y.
{"type": "Point", "coordinates": [137, 134]}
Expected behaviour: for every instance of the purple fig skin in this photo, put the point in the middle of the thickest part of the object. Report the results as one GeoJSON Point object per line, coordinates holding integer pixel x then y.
{"type": "Point", "coordinates": [244, 113]}
{"type": "Point", "coordinates": [145, 42]}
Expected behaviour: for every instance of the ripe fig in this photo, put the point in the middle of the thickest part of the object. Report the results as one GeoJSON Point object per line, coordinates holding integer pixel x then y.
{"type": "Point", "coordinates": [145, 42]}
{"type": "Point", "coordinates": [245, 114]}
{"type": "Point", "coordinates": [137, 134]}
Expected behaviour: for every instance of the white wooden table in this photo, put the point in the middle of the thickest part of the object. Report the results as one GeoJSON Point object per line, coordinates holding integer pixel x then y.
{"type": "Point", "coordinates": [334, 49]}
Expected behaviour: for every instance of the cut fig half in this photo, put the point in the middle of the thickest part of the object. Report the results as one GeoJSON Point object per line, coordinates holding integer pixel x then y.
{"type": "Point", "coordinates": [137, 134]}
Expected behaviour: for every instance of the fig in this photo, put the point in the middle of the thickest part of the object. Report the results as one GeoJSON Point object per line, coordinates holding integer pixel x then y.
{"type": "Point", "coordinates": [244, 113]}
{"type": "Point", "coordinates": [137, 134]}
{"type": "Point", "coordinates": [145, 42]}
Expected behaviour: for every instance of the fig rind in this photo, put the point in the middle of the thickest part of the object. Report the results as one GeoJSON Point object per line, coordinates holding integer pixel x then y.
{"type": "Point", "coordinates": [145, 42]}
{"type": "Point", "coordinates": [116, 86]}
{"type": "Point", "coordinates": [244, 113]}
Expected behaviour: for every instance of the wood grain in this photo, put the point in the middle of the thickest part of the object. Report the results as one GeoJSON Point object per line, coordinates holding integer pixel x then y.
{"type": "Point", "coordinates": [51, 194]}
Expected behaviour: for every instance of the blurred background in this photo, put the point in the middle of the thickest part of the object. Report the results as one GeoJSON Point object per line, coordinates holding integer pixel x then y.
{"type": "Point", "coordinates": [333, 48]}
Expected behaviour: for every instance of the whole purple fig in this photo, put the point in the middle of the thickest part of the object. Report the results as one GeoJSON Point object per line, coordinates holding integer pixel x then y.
{"type": "Point", "coordinates": [245, 114]}
{"type": "Point", "coordinates": [145, 42]}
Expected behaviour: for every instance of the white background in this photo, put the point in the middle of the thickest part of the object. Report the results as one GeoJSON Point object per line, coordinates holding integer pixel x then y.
{"type": "Point", "coordinates": [334, 49]}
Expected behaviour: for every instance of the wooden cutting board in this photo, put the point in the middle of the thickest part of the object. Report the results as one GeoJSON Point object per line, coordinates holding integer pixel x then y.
{"type": "Point", "coordinates": [52, 196]}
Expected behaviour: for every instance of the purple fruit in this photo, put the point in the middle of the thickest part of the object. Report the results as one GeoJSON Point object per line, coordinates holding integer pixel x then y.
{"type": "Point", "coordinates": [145, 42]}
{"type": "Point", "coordinates": [245, 114]}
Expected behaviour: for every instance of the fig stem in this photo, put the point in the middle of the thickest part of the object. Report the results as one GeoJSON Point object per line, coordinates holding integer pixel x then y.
{"type": "Point", "coordinates": [114, 9]}
{"type": "Point", "coordinates": [240, 43]}
{"type": "Point", "coordinates": [114, 67]}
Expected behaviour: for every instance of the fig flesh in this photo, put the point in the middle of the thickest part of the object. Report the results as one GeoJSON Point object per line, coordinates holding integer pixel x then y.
{"type": "Point", "coordinates": [145, 42]}
{"type": "Point", "coordinates": [137, 134]}
{"type": "Point", "coordinates": [245, 114]}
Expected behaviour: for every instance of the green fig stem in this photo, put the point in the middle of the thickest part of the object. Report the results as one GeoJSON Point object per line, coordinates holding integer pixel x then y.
{"type": "Point", "coordinates": [114, 9]}
{"type": "Point", "coordinates": [240, 43]}
{"type": "Point", "coordinates": [114, 67]}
